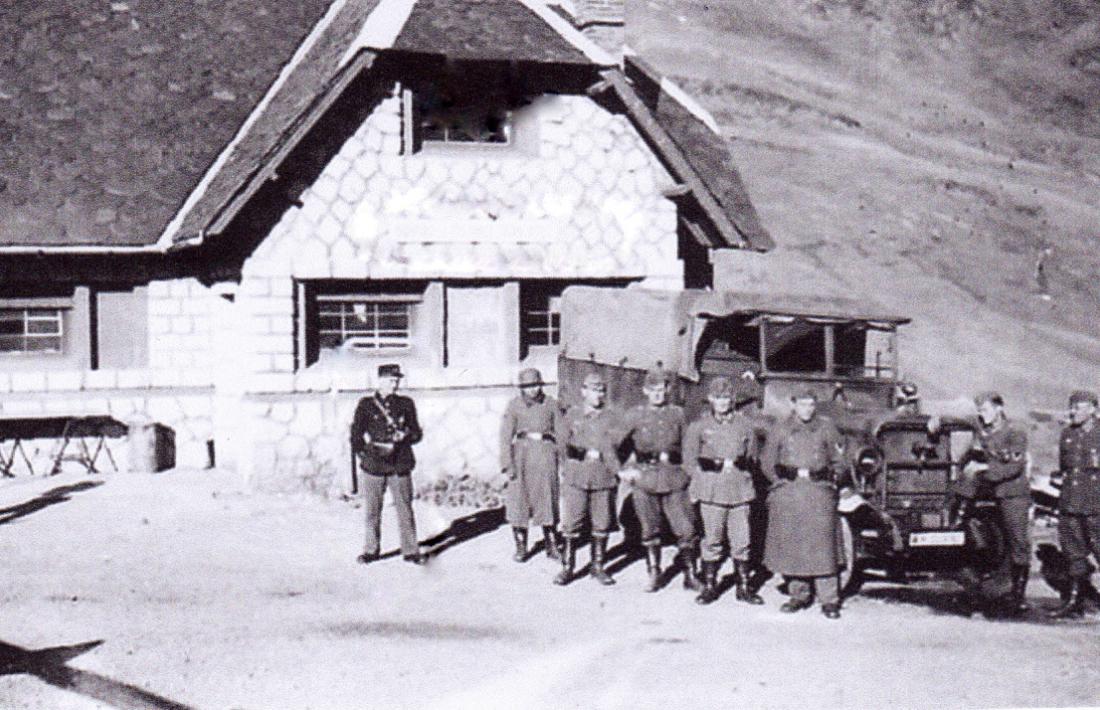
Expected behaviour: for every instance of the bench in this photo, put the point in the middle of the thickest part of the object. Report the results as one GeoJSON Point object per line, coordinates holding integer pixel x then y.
{"type": "Point", "coordinates": [72, 433]}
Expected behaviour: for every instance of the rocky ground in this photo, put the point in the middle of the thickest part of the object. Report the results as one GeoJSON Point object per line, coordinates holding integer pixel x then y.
{"type": "Point", "coordinates": [179, 590]}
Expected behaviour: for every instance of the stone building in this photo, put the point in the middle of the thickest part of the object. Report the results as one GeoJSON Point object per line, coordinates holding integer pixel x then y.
{"type": "Point", "coordinates": [223, 216]}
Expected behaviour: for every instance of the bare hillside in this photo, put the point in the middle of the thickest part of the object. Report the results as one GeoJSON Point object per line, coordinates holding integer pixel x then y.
{"type": "Point", "coordinates": [940, 157]}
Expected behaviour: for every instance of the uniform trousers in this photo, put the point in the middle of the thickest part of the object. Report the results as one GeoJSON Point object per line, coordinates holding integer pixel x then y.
{"type": "Point", "coordinates": [1078, 535]}
{"type": "Point", "coordinates": [400, 485]}
{"type": "Point", "coordinates": [579, 505]}
{"type": "Point", "coordinates": [826, 589]}
{"type": "Point", "coordinates": [1014, 516]}
{"type": "Point", "coordinates": [722, 525]}
{"type": "Point", "coordinates": [674, 506]}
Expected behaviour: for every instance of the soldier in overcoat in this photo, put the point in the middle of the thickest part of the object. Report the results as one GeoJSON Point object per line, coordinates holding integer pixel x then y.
{"type": "Point", "coordinates": [529, 459]}
{"type": "Point", "coordinates": [719, 450]}
{"type": "Point", "coordinates": [803, 461]}
{"type": "Point", "coordinates": [1079, 503]}
{"type": "Point", "coordinates": [383, 432]}
{"type": "Point", "coordinates": [586, 448]}
{"type": "Point", "coordinates": [654, 470]}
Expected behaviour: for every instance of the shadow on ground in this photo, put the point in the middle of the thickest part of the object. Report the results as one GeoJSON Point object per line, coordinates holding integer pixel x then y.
{"type": "Point", "coordinates": [51, 666]}
{"type": "Point", "coordinates": [45, 500]}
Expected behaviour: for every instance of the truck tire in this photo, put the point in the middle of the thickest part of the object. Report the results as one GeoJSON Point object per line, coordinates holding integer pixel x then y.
{"type": "Point", "coordinates": [851, 568]}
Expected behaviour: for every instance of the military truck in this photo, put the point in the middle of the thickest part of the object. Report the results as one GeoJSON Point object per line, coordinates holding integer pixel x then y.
{"type": "Point", "coordinates": [895, 509]}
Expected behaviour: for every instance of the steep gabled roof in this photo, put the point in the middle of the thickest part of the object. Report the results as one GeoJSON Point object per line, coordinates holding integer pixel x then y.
{"type": "Point", "coordinates": [152, 165]}
{"type": "Point", "coordinates": [110, 112]}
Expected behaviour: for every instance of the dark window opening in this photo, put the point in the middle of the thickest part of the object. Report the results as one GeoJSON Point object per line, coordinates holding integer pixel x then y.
{"type": "Point", "coordinates": [539, 314]}
{"type": "Point", "coordinates": [795, 346]}
{"type": "Point", "coordinates": [31, 330]}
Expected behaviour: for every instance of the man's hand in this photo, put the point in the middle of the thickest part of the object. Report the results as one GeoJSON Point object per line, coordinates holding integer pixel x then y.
{"type": "Point", "coordinates": [399, 435]}
{"type": "Point", "coordinates": [366, 438]}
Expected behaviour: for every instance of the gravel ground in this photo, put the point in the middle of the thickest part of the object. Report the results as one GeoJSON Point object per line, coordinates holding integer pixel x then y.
{"type": "Point", "coordinates": [178, 590]}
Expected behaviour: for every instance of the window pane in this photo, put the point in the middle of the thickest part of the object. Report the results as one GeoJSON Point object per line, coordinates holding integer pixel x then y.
{"type": "Point", "coordinates": [11, 327]}
{"type": "Point", "coordinates": [795, 347]}
{"type": "Point", "coordinates": [11, 343]}
{"type": "Point", "coordinates": [51, 326]}
{"type": "Point", "coordinates": [47, 344]}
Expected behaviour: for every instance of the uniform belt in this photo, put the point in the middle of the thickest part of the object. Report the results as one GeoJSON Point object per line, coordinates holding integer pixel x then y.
{"type": "Point", "coordinates": [713, 465]}
{"type": "Point", "coordinates": [579, 454]}
{"type": "Point", "coordinates": [791, 473]}
{"type": "Point", "coordinates": [670, 457]}
{"type": "Point", "coordinates": [534, 436]}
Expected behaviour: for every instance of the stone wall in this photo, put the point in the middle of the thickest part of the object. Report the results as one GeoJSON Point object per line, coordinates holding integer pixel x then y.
{"type": "Point", "coordinates": [577, 195]}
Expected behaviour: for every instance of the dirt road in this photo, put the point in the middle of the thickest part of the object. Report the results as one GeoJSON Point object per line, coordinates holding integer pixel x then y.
{"type": "Point", "coordinates": [178, 591]}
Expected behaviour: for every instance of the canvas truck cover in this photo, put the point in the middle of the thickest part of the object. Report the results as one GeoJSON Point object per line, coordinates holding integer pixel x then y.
{"type": "Point", "coordinates": [635, 328]}
{"type": "Point", "coordinates": [642, 328]}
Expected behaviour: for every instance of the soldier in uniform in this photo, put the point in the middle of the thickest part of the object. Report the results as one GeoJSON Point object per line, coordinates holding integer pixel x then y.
{"type": "Point", "coordinates": [1004, 447]}
{"type": "Point", "coordinates": [718, 450]}
{"type": "Point", "coordinates": [803, 460]}
{"type": "Point", "coordinates": [1079, 503]}
{"type": "Point", "coordinates": [383, 432]}
{"type": "Point", "coordinates": [529, 458]}
{"type": "Point", "coordinates": [657, 478]}
{"type": "Point", "coordinates": [586, 449]}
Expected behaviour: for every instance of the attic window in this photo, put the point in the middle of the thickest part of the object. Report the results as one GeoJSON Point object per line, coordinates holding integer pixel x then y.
{"type": "Point", "coordinates": [466, 124]}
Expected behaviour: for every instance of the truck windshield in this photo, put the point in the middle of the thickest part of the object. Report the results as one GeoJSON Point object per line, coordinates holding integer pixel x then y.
{"type": "Point", "coordinates": [834, 349]}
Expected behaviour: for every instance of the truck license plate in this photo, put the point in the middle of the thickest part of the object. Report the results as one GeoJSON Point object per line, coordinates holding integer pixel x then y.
{"type": "Point", "coordinates": [934, 539]}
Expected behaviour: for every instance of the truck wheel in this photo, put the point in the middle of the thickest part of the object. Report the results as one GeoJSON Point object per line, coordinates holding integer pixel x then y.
{"type": "Point", "coordinates": [851, 571]}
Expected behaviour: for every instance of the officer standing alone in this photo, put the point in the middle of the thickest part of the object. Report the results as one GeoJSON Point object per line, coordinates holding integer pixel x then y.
{"type": "Point", "coordinates": [383, 432]}
{"type": "Point", "coordinates": [529, 458]}
{"type": "Point", "coordinates": [657, 478]}
{"type": "Point", "coordinates": [804, 463]}
{"type": "Point", "coordinates": [1079, 503]}
{"type": "Point", "coordinates": [718, 450]}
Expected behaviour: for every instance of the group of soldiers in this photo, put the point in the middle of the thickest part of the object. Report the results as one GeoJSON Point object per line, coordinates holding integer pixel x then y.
{"type": "Point", "coordinates": [566, 468]}
{"type": "Point", "coordinates": [677, 473]}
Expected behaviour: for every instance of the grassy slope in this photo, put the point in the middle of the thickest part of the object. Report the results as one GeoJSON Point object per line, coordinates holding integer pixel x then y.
{"type": "Point", "coordinates": [922, 154]}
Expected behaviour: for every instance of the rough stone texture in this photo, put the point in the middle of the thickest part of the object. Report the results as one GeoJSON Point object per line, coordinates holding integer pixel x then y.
{"type": "Point", "coordinates": [577, 195]}
{"type": "Point", "coordinates": [180, 328]}
{"type": "Point", "coordinates": [588, 205]}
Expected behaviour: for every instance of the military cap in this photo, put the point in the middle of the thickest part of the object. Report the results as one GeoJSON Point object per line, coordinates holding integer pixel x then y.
{"type": "Point", "coordinates": [909, 392]}
{"type": "Point", "coordinates": [390, 370]}
{"type": "Point", "coordinates": [594, 380]}
{"type": "Point", "coordinates": [529, 377]}
{"type": "Point", "coordinates": [804, 393]}
{"type": "Point", "coordinates": [720, 387]}
{"type": "Point", "coordinates": [657, 376]}
{"type": "Point", "coordinates": [1082, 396]}
{"type": "Point", "coordinates": [989, 396]}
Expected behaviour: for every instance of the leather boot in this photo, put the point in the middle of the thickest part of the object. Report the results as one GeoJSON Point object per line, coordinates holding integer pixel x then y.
{"type": "Point", "coordinates": [653, 567]}
{"type": "Point", "coordinates": [1019, 588]}
{"type": "Point", "coordinates": [599, 557]}
{"type": "Point", "coordinates": [520, 535]}
{"type": "Point", "coordinates": [710, 583]}
{"type": "Point", "coordinates": [691, 576]}
{"type": "Point", "coordinates": [743, 593]}
{"type": "Point", "coordinates": [551, 542]}
{"type": "Point", "coordinates": [568, 562]}
{"type": "Point", "coordinates": [1074, 604]}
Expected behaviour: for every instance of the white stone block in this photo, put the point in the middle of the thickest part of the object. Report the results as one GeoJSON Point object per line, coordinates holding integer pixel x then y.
{"type": "Point", "coordinates": [281, 362]}
{"type": "Point", "coordinates": [329, 230]}
{"type": "Point", "coordinates": [160, 289]}
{"type": "Point", "coordinates": [170, 306]}
{"type": "Point", "coordinates": [23, 407]}
{"type": "Point", "coordinates": [341, 210]}
{"type": "Point", "coordinates": [254, 287]}
{"type": "Point", "coordinates": [270, 306]}
{"type": "Point", "coordinates": [280, 325]}
{"type": "Point", "coordinates": [133, 379]}
{"type": "Point", "coordinates": [5, 382]}
{"type": "Point", "coordinates": [100, 379]}
{"type": "Point", "coordinates": [64, 380]}
{"type": "Point", "coordinates": [270, 382]}
{"type": "Point", "coordinates": [324, 190]}
{"type": "Point", "coordinates": [165, 378]}
{"type": "Point", "coordinates": [28, 382]}
{"type": "Point", "coordinates": [311, 260]}
{"type": "Point", "coordinates": [313, 210]}
{"type": "Point", "coordinates": [182, 325]}
{"type": "Point", "coordinates": [352, 187]}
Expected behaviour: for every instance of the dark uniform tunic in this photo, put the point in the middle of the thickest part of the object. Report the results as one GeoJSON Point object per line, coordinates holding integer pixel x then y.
{"type": "Point", "coordinates": [656, 435]}
{"type": "Point", "coordinates": [586, 449]}
{"type": "Point", "coordinates": [717, 452]}
{"type": "Point", "coordinates": [387, 464]}
{"type": "Point", "coordinates": [802, 519]}
{"type": "Point", "coordinates": [529, 455]}
{"type": "Point", "coordinates": [1079, 504]}
{"type": "Point", "coordinates": [1005, 447]}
